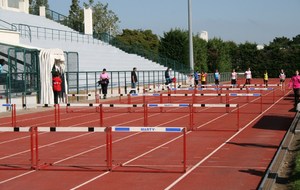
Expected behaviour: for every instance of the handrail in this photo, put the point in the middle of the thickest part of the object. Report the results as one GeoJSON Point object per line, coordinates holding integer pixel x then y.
{"type": "Point", "coordinates": [57, 34]}
{"type": "Point", "coordinates": [12, 27]}
{"type": "Point", "coordinates": [19, 27]}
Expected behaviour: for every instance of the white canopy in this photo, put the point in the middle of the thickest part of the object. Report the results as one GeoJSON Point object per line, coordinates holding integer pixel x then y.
{"type": "Point", "coordinates": [49, 57]}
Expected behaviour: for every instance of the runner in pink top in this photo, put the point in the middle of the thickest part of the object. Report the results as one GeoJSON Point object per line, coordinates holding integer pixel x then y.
{"type": "Point", "coordinates": [104, 80]}
{"type": "Point", "coordinates": [295, 84]}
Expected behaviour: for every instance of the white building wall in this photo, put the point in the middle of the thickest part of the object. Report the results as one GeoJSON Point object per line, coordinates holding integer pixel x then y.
{"type": "Point", "coordinates": [15, 5]}
{"type": "Point", "coordinates": [9, 37]}
{"type": "Point", "coordinates": [204, 35]}
{"type": "Point", "coordinates": [88, 21]}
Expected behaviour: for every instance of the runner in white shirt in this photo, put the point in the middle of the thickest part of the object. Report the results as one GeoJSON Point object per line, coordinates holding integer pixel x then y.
{"type": "Point", "coordinates": [282, 78]}
{"type": "Point", "coordinates": [233, 77]}
{"type": "Point", "coordinates": [248, 76]}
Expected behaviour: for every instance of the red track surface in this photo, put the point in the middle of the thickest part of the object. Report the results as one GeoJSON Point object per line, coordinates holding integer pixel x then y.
{"type": "Point", "coordinates": [218, 157]}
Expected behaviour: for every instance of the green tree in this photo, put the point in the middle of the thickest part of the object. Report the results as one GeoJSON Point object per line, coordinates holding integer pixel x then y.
{"type": "Point", "coordinates": [200, 54]}
{"type": "Point", "coordinates": [34, 6]}
{"type": "Point", "coordinates": [218, 55]}
{"type": "Point", "coordinates": [282, 42]}
{"type": "Point", "coordinates": [75, 16]}
{"type": "Point", "coordinates": [142, 42]}
{"type": "Point", "coordinates": [174, 45]}
{"type": "Point", "coordinates": [104, 20]}
{"type": "Point", "coordinates": [283, 53]}
{"type": "Point", "coordinates": [247, 56]}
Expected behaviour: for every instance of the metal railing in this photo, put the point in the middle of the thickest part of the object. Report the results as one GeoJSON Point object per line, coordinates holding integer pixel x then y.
{"type": "Point", "coordinates": [84, 82]}
{"type": "Point", "coordinates": [24, 84]}
{"type": "Point", "coordinates": [7, 26]}
{"type": "Point", "coordinates": [24, 30]}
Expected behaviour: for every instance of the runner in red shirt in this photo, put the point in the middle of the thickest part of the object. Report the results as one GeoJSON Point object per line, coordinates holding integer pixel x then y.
{"type": "Point", "coordinates": [56, 86]}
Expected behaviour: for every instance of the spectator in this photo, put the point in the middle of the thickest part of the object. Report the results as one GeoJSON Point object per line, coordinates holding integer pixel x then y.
{"type": "Point", "coordinates": [133, 81]}
{"type": "Point", "coordinates": [104, 80]}
{"type": "Point", "coordinates": [56, 86]}
{"type": "Point", "coordinates": [295, 84]}
{"type": "Point", "coordinates": [2, 62]}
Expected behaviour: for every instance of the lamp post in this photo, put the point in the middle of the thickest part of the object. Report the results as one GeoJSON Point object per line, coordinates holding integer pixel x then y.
{"type": "Point", "coordinates": [191, 50]}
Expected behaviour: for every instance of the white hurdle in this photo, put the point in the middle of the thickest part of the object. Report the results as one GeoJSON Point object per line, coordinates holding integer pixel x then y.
{"type": "Point", "coordinates": [126, 129]}
{"type": "Point", "coordinates": [35, 158]}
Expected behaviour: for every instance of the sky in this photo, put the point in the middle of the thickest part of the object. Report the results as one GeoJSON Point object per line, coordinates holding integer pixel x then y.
{"type": "Point", "coordinates": [255, 21]}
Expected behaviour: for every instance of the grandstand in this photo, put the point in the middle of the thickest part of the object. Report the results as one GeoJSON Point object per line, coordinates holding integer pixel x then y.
{"type": "Point", "coordinates": [85, 56]}
{"type": "Point", "coordinates": [93, 54]}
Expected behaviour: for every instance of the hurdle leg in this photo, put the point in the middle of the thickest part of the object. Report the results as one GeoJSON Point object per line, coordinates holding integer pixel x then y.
{"type": "Point", "coordinates": [191, 123]}
{"type": "Point", "coordinates": [56, 115]}
{"type": "Point", "coordinates": [261, 102]}
{"type": "Point", "coordinates": [101, 115]}
{"type": "Point", "coordinates": [129, 101]}
{"type": "Point", "coordinates": [184, 150]}
{"type": "Point", "coordinates": [161, 101]}
{"type": "Point", "coordinates": [34, 151]}
{"type": "Point", "coordinates": [108, 132]}
{"type": "Point", "coordinates": [145, 114]}
{"type": "Point", "coordinates": [13, 115]}
{"type": "Point", "coordinates": [32, 148]}
{"type": "Point", "coordinates": [273, 95]}
{"type": "Point", "coordinates": [238, 117]}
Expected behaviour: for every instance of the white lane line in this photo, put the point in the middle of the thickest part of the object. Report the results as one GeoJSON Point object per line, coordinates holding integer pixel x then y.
{"type": "Point", "coordinates": [75, 187]}
{"type": "Point", "coordinates": [218, 148]}
{"type": "Point", "coordinates": [91, 180]}
{"type": "Point", "coordinates": [18, 176]}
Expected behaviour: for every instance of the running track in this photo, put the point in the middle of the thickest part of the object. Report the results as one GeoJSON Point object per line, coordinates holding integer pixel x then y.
{"type": "Point", "coordinates": [217, 156]}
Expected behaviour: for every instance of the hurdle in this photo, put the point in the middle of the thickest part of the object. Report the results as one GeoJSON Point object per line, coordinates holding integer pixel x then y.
{"type": "Point", "coordinates": [127, 167]}
{"type": "Point", "coordinates": [35, 158]}
{"type": "Point", "coordinates": [33, 153]}
{"type": "Point", "coordinates": [226, 106]}
{"type": "Point", "coordinates": [97, 96]}
{"type": "Point", "coordinates": [128, 106]}
{"type": "Point", "coordinates": [13, 113]}
{"type": "Point", "coordinates": [247, 95]}
{"type": "Point", "coordinates": [265, 89]}
{"type": "Point", "coordinates": [86, 105]}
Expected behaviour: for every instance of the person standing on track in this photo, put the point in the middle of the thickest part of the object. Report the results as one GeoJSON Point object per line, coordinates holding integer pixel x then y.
{"type": "Point", "coordinates": [217, 77]}
{"type": "Point", "coordinates": [196, 78]}
{"type": "Point", "coordinates": [266, 78]}
{"type": "Point", "coordinates": [168, 77]}
{"type": "Point", "coordinates": [248, 77]}
{"type": "Point", "coordinates": [282, 78]}
{"type": "Point", "coordinates": [104, 80]}
{"type": "Point", "coordinates": [133, 81]}
{"type": "Point", "coordinates": [233, 77]}
{"type": "Point", "coordinates": [295, 84]}
{"type": "Point", "coordinates": [203, 78]}
{"type": "Point", "coordinates": [56, 80]}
